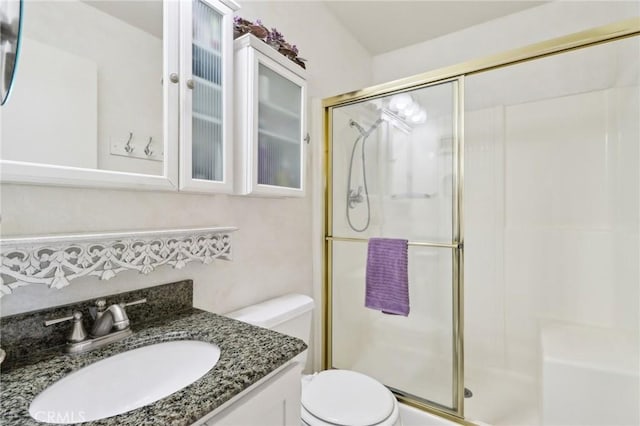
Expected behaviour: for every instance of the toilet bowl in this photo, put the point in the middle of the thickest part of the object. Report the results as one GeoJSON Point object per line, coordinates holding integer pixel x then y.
{"type": "Point", "coordinates": [331, 397]}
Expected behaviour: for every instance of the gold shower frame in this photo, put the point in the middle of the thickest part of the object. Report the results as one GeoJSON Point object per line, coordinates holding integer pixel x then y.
{"type": "Point", "coordinates": [599, 35]}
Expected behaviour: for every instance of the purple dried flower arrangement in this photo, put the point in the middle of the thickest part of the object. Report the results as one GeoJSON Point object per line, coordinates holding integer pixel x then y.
{"type": "Point", "coordinates": [273, 38]}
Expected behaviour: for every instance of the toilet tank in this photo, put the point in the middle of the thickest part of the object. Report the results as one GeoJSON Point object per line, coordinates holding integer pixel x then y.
{"type": "Point", "coordinates": [290, 314]}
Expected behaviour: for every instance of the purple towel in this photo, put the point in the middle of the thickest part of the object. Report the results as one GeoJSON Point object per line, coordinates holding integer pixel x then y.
{"type": "Point", "coordinates": [387, 278]}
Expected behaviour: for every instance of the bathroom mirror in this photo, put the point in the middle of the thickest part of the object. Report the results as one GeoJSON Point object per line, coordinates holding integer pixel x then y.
{"type": "Point", "coordinates": [91, 102]}
{"type": "Point", "coordinates": [10, 18]}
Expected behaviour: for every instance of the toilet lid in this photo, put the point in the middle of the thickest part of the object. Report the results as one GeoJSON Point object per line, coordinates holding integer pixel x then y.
{"type": "Point", "coordinates": [344, 397]}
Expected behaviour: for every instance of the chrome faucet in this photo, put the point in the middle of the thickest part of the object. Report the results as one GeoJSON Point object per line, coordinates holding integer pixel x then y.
{"type": "Point", "coordinates": [110, 324]}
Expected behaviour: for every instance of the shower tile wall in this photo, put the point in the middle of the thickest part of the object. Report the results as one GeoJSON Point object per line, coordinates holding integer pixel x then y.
{"type": "Point", "coordinates": [484, 223]}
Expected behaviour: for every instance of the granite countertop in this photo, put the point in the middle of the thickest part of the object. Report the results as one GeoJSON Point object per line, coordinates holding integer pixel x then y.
{"type": "Point", "coordinates": [247, 354]}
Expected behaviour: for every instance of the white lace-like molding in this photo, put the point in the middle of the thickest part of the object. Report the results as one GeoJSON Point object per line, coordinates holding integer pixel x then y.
{"type": "Point", "coordinates": [56, 260]}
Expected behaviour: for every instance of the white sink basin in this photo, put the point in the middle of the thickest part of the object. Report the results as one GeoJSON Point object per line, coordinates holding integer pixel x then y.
{"type": "Point", "coordinates": [124, 382]}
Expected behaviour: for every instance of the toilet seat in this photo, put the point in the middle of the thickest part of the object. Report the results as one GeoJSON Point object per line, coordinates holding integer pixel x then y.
{"type": "Point", "coordinates": [310, 420]}
{"type": "Point", "coordinates": [347, 398]}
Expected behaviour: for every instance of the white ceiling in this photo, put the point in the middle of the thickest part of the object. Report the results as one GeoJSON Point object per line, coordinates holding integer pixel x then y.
{"type": "Point", "coordinates": [379, 25]}
{"type": "Point", "coordinates": [382, 26]}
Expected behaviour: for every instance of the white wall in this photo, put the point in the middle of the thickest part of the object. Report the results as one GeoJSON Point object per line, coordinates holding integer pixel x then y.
{"type": "Point", "coordinates": [272, 249]}
{"type": "Point", "coordinates": [61, 128]}
{"type": "Point", "coordinates": [553, 19]}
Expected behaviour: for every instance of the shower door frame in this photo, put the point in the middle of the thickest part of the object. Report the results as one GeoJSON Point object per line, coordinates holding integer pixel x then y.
{"type": "Point", "coordinates": [595, 36]}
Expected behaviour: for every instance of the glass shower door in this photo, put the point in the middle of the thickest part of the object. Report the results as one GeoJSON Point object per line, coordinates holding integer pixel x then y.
{"type": "Point", "coordinates": [394, 163]}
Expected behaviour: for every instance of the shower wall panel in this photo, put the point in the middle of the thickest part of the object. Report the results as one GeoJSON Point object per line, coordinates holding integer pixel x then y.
{"type": "Point", "coordinates": [551, 214]}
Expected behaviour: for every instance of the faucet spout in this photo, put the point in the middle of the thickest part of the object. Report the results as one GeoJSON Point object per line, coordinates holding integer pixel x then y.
{"type": "Point", "coordinates": [114, 317]}
{"type": "Point", "coordinates": [102, 325]}
{"type": "Point", "coordinates": [120, 318]}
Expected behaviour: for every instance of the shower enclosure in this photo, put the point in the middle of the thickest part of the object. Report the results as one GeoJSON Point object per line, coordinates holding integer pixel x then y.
{"type": "Point", "coordinates": [544, 142]}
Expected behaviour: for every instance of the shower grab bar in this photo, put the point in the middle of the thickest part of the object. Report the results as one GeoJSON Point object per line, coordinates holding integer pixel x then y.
{"type": "Point", "coordinates": [411, 243]}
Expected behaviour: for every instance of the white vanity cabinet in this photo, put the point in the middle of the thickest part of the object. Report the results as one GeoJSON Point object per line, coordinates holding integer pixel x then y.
{"type": "Point", "coordinates": [275, 400]}
{"type": "Point", "coordinates": [206, 119]}
{"type": "Point", "coordinates": [270, 127]}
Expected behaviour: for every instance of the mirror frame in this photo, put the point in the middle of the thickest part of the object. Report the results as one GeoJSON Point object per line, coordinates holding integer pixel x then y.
{"type": "Point", "coordinates": [4, 97]}
{"type": "Point", "coordinates": [23, 172]}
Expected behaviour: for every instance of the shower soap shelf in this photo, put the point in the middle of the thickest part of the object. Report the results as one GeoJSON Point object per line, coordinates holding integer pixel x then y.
{"type": "Point", "coordinates": [55, 260]}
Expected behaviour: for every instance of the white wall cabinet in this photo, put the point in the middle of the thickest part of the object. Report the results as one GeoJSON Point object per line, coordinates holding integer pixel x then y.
{"type": "Point", "coordinates": [271, 135]}
{"type": "Point", "coordinates": [206, 119]}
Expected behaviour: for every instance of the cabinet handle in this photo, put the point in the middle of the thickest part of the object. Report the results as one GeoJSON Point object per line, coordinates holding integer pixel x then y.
{"type": "Point", "coordinates": [190, 84]}
{"type": "Point", "coordinates": [174, 77]}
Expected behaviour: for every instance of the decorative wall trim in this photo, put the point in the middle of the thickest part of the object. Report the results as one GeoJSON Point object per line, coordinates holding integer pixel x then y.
{"type": "Point", "coordinates": [56, 260]}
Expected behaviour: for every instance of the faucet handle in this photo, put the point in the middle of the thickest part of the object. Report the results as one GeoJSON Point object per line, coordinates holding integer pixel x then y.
{"type": "Point", "coordinates": [135, 302]}
{"type": "Point", "coordinates": [78, 333]}
{"type": "Point", "coordinates": [120, 318]}
{"type": "Point", "coordinates": [58, 320]}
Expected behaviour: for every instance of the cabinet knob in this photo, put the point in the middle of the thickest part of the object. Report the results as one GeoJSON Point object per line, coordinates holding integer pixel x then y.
{"type": "Point", "coordinates": [190, 84]}
{"type": "Point", "coordinates": [307, 138]}
{"type": "Point", "coordinates": [174, 77]}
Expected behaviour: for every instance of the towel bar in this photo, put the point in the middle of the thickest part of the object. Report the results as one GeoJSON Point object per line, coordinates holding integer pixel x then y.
{"type": "Point", "coordinates": [411, 243]}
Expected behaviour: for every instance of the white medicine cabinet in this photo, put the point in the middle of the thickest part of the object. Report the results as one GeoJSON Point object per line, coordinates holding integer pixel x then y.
{"type": "Point", "coordinates": [270, 128]}
{"type": "Point", "coordinates": [182, 116]}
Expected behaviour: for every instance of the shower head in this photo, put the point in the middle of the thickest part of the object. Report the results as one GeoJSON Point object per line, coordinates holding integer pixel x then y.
{"type": "Point", "coordinates": [365, 133]}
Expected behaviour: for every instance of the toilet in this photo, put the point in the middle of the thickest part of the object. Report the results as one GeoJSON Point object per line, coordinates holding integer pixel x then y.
{"type": "Point", "coordinates": [331, 397]}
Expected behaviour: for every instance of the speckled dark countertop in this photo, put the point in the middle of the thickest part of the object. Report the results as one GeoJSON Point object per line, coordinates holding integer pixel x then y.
{"type": "Point", "coordinates": [247, 354]}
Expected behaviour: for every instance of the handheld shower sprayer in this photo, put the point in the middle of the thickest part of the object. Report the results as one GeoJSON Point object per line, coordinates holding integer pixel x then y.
{"type": "Point", "coordinates": [355, 196]}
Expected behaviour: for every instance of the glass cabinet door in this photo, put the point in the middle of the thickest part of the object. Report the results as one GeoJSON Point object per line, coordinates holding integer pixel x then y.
{"type": "Point", "coordinates": [279, 130]}
{"type": "Point", "coordinates": [207, 150]}
{"type": "Point", "coordinates": [270, 120]}
{"type": "Point", "coordinates": [207, 61]}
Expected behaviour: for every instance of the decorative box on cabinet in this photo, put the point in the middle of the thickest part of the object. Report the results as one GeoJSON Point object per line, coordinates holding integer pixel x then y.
{"type": "Point", "coordinates": [206, 121]}
{"type": "Point", "coordinates": [270, 126]}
